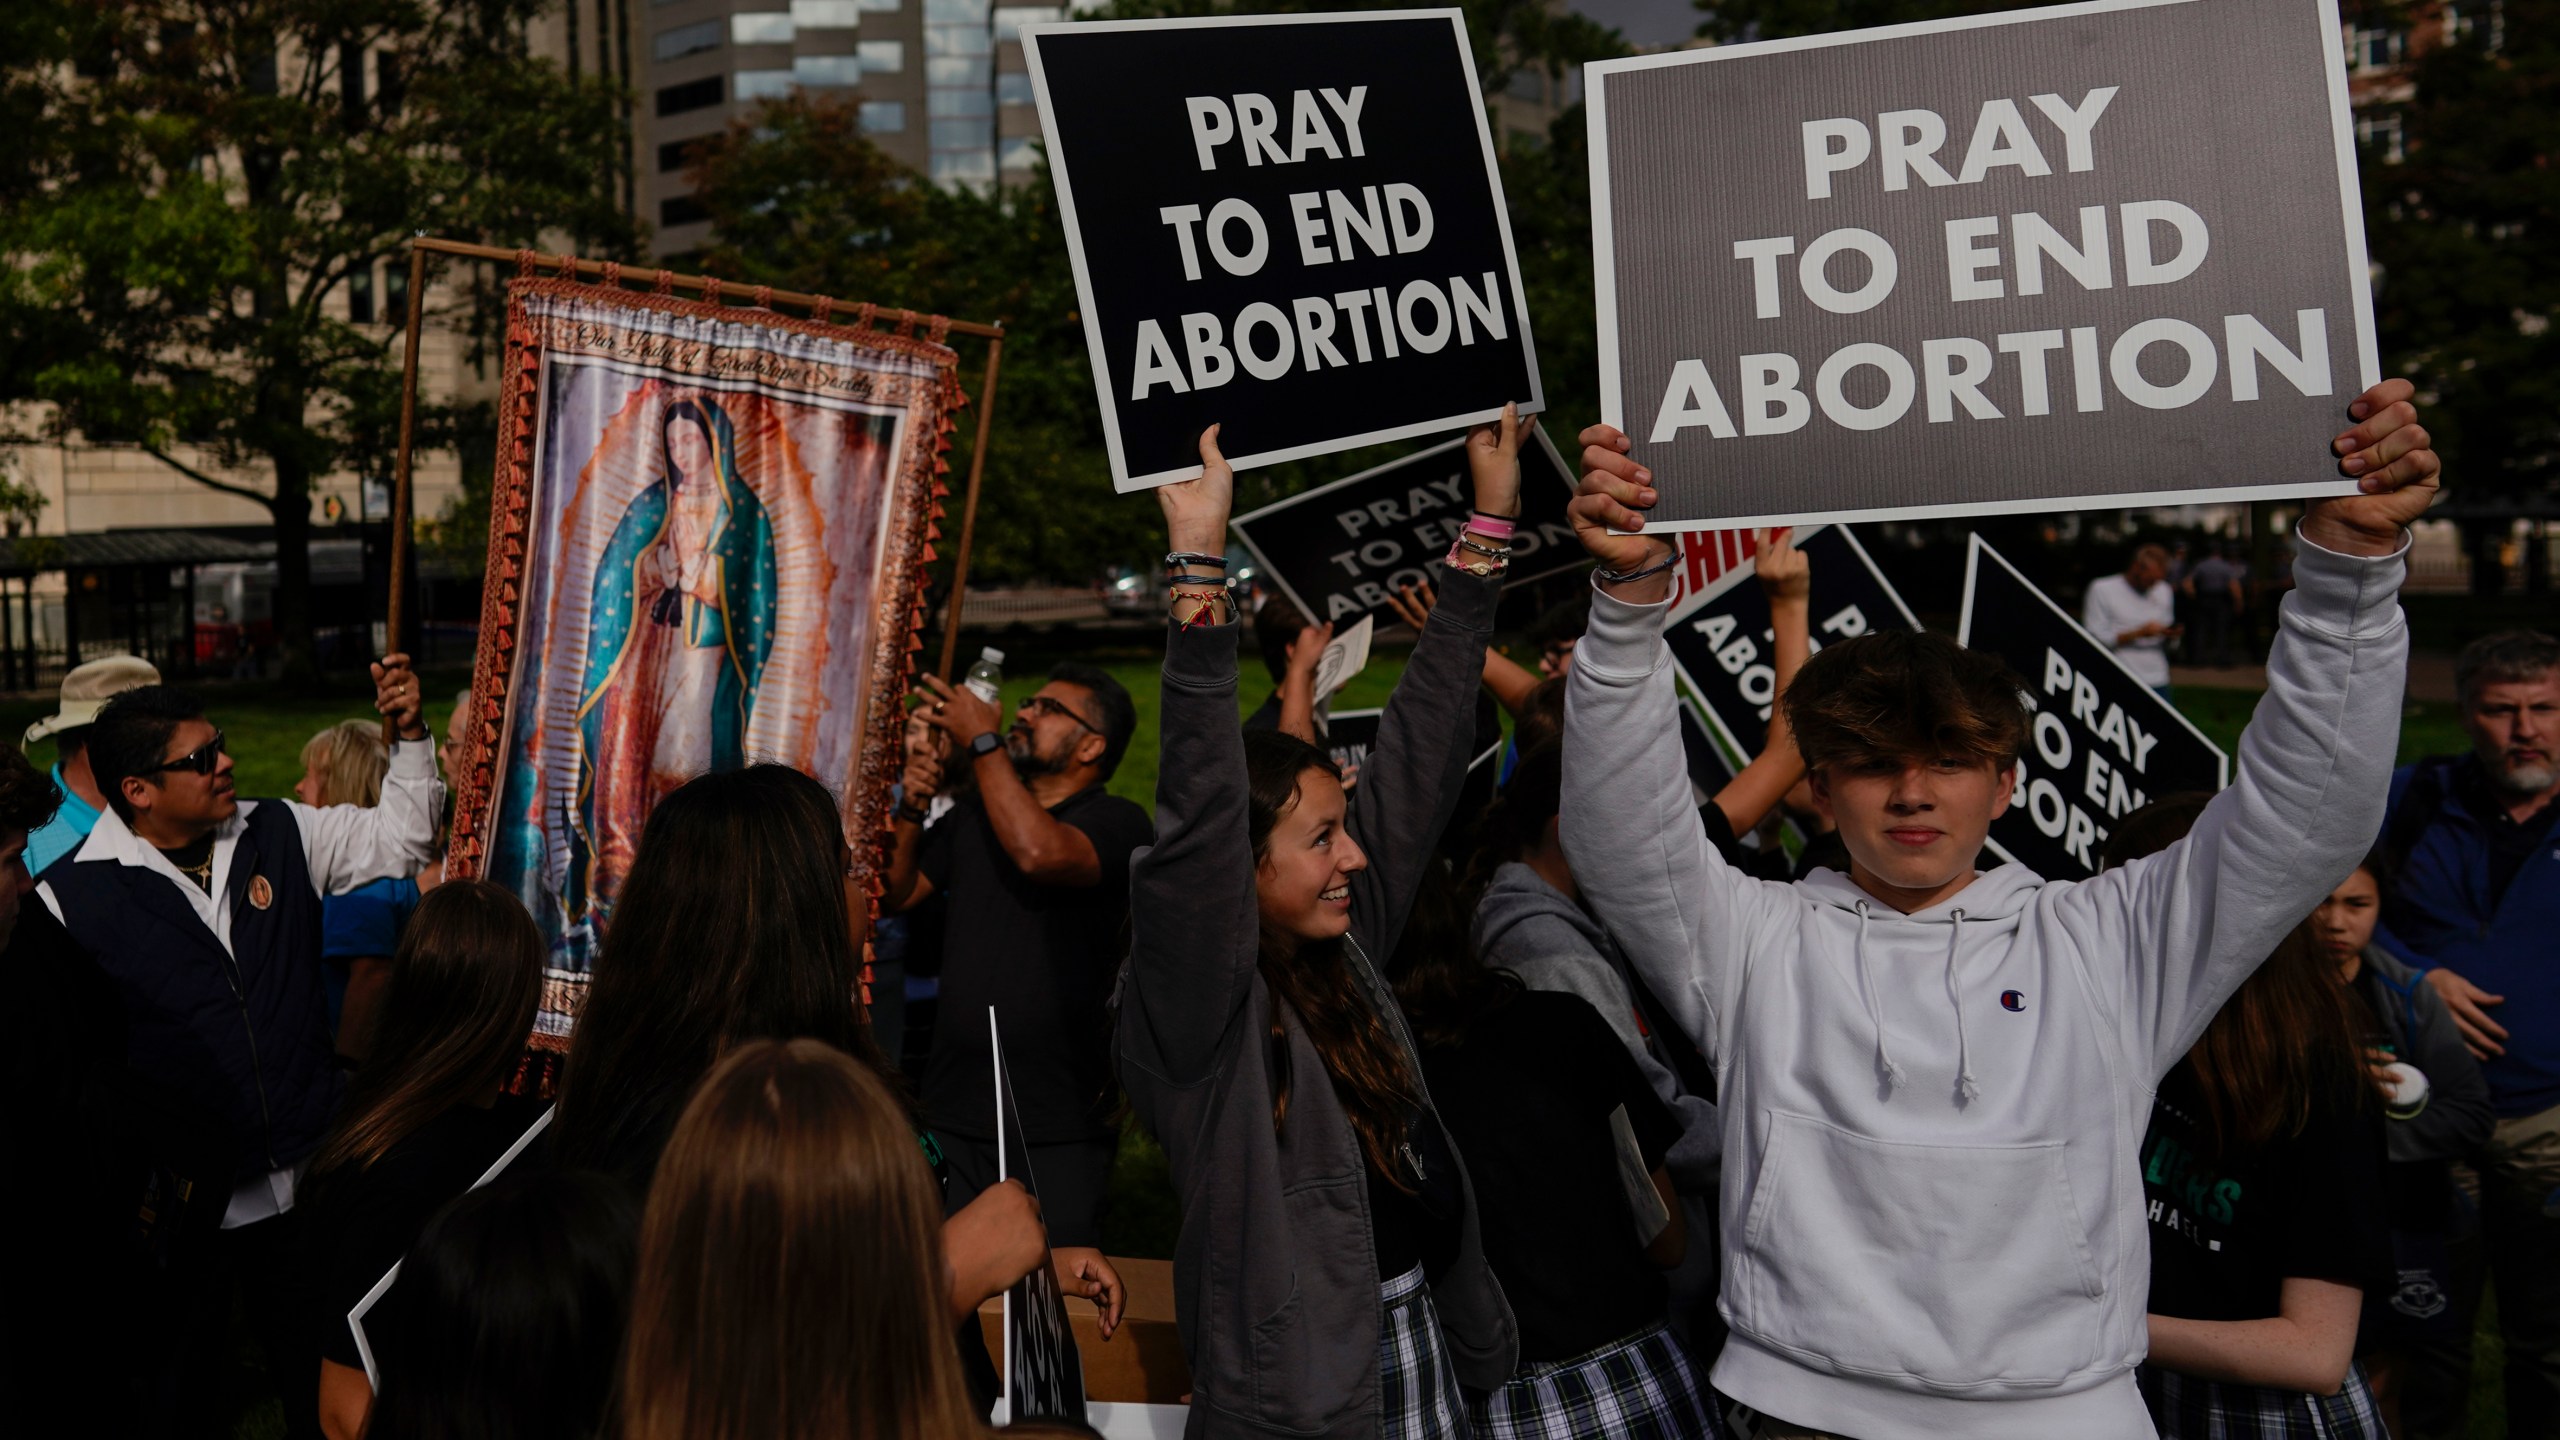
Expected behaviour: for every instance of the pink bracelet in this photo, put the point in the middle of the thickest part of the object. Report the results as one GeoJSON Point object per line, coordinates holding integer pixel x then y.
{"type": "Point", "coordinates": [1490, 525]}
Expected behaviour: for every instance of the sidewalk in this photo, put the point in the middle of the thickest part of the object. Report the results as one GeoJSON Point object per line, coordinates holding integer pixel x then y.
{"type": "Point", "coordinates": [2430, 678]}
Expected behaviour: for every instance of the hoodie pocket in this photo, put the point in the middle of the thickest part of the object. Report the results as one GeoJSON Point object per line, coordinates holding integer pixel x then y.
{"type": "Point", "coordinates": [1962, 1269]}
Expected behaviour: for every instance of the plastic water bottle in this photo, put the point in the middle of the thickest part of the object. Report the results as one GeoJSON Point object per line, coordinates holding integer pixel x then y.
{"type": "Point", "coordinates": [986, 677]}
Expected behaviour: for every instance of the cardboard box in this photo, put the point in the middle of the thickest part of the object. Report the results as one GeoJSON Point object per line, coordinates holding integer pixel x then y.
{"type": "Point", "coordinates": [1142, 1362]}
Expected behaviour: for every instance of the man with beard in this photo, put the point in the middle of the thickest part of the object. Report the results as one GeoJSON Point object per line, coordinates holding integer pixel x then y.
{"type": "Point", "coordinates": [1034, 871]}
{"type": "Point", "coordinates": [2475, 904]}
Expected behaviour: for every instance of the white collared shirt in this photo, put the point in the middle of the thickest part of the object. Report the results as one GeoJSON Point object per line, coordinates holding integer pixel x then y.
{"type": "Point", "coordinates": [343, 846]}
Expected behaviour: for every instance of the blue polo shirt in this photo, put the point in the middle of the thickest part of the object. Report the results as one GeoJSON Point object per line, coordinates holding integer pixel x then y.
{"type": "Point", "coordinates": [63, 833]}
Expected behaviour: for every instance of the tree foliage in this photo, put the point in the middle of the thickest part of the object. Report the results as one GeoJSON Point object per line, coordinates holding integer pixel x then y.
{"type": "Point", "coordinates": [2464, 227]}
{"type": "Point", "coordinates": [206, 177]}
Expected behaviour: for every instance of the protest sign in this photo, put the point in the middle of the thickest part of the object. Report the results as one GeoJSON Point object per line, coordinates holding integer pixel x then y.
{"type": "Point", "coordinates": [2091, 255]}
{"type": "Point", "coordinates": [2101, 743]}
{"type": "Point", "coordinates": [1287, 225]}
{"type": "Point", "coordinates": [1720, 636]}
{"type": "Point", "coordinates": [1344, 657]}
{"type": "Point", "coordinates": [1341, 549]}
{"type": "Point", "coordinates": [1349, 736]}
{"type": "Point", "coordinates": [1043, 1370]}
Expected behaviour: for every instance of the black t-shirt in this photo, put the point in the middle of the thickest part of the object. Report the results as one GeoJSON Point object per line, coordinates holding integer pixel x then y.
{"type": "Point", "coordinates": [360, 1222]}
{"type": "Point", "coordinates": [2511, 842]}
{"type": "Point", "coordinates": [1528, 1097]}
{"type": "Point", "coordinates": [2226, 1232]}
{"type": "Point", "coordinates": [1043, 956]}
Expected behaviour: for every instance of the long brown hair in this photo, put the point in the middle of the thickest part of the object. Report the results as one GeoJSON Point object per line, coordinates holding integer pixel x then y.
{"type": "Point", "coordinates": [453, 1019]}
{"type": "Point", "coordinates": [734, 924]}
{"type": "Point", "coordinates": [2286, 1045]}
{"type": "Point", "coordinates": [2282, 1049]}
{"type": "Point", "coordinates": [1368, 1069]}
{"type": "Point", "coordinates": [790, 1283]}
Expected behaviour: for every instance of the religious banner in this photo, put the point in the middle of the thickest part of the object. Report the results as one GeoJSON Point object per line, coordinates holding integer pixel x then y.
{"type": "Point", "coordinates": [1719, 631]}
{"type": "Point", "coordinates": [2024, 261]}
{"type": "Point", "coordinates": [1341, 549]}
{"type": "Point", "coordinates": [1289, 226]}
{"type": "Point", "coordinates": [2101, 744]}
{"type": "Point", "coordinates": [707, 543]}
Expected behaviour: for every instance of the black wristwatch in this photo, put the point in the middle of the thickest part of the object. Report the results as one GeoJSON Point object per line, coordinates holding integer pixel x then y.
{"type": "Point", "coordinates": [985, 745]}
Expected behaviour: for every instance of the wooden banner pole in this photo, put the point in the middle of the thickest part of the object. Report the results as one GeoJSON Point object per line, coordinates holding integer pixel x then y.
{"type": "Point", "coordinates": [969, 508]}
{"type": "Point", "coordinates": [400, 494]}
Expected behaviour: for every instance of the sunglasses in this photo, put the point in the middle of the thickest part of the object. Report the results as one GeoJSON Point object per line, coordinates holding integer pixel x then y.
{"type": "Point", "coordinates": [1050, 705]}
{"type": "Point", "coordinates": [203, 760]}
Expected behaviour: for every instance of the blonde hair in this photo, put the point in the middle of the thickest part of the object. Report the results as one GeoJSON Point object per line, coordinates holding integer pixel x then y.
{"type": "Point", "coordinates": [350, 758]}
{"type": "Point", "coordinates": [791, 1280]}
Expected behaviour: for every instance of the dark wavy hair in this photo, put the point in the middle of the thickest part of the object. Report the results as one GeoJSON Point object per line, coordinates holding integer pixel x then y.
{"type": "Point", "coordinates": [1906, 695]}
{"type": "Point", "coordinates": [733, 925]}
{"type": "Point", "coordinates": [1368, 1070]}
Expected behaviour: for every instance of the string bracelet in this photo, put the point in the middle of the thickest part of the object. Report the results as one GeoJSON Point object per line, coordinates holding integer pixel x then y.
{"type": "Point", "coordinates": [1607, 576]}
{"type": "Point", "coordinates": [1180, 559]}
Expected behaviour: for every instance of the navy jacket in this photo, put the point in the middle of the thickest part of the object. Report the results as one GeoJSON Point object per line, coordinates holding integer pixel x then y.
{"type": "Point", "coordinates": [247, 1030]}
{"type": "Point", "coordinates": [2438, 914]}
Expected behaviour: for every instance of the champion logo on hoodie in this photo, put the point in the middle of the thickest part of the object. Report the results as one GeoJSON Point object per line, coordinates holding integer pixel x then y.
{"type": "Point", "coordinates": [2015, 1000]}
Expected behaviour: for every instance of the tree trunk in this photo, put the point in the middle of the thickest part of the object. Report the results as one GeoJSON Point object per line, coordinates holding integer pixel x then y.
{"type": "Point", "coordinates": [292, 510]}
{"type": "Point", "coordinates": [2485, 539]}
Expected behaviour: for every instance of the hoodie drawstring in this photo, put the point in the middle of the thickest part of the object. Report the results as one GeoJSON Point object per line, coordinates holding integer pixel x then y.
{"type": "Point", "coordinates": [1966, 1089]}
{"type": "Point", "coordinates": [1875, 1015]}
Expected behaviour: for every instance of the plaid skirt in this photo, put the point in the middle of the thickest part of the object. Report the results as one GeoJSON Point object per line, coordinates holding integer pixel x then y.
{"type": "Point", "coordinates": [1642, 1386]}
{"type": "Point", "coordinates": [2186, 1408]}
{"type": "Point", "coordinates": [1417, 1389]}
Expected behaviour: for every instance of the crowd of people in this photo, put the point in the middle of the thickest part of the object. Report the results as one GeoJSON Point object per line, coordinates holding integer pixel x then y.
{"type": "Point", "coordinates": [1555, 1097]}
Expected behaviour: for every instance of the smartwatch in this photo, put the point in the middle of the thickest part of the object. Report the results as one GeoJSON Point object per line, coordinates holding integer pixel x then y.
{"type": "Point", "coordinates": [985, 745]}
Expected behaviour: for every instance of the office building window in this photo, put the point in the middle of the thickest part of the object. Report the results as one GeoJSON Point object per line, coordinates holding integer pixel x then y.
{"type": "Point", "coordinates": [882, 7]}
{"type": "Point", "coordinates": [686, 40]}
{"type": "Point", "coordinates": [958, 70]}
{"type": "Point", "coordinates": [764, 84]}
{"type": "Point", "coordinates": [826, 14]}
{"type": "Point", "coordinates": [762, 28]}
{"type": "Point", "coordinates": [1011, 19]}
{"type": "Point", "coordinates": [692, 95]}
{"type": "Point", "coordinates": [360, 297]}
{"type": "Point", "coordinates": [677, 154]}
{"type": "Point", "coordinates": [2381, 134]}
{"type": "Point", "coordinates": [884, 117]}
{"type": "Point", "coordinates": [681, 210]}
{"type": "Point", "coordinates": [1014, 88]}
{"type": "Point", "coordinates": [823, 71]}
{"type": "Point", "coordinates": [959, 104]}
{"type": "Point", "coordinates": [1019, 152]}
{"type": "Point", "coordinates": [883, 57]}
{"type": "Point", "coordinates": [964, 167]}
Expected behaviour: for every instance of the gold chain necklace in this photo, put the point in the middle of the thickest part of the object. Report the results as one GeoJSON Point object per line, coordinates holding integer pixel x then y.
{"type": "Point", "coordinates": [203, 873]}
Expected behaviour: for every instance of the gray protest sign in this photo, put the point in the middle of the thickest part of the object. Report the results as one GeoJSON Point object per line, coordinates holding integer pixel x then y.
{"type": "Point", "coordinates": [2090, 255]}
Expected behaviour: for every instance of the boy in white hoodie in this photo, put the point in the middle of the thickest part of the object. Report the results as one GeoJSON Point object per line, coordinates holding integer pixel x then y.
{"type": "Point", "coordinates": [1932, 1080]}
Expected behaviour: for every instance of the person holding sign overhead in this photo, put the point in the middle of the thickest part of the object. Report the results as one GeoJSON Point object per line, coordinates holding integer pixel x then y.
{"type": "Point", "coordinates": [1932, 1079]}
{"type": "Point", "coordinates": [1331, 1272]}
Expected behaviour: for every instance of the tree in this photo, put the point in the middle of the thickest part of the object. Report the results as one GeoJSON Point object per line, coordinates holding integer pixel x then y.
{"type": "Point", "coordinates": [2463, 219]}
{"type": "Point", "coordinates": [209, 175]}
{"type": "Point", "coordinates": [1730, 20]}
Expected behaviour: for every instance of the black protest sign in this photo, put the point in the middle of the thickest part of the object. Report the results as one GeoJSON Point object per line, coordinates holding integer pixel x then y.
{"type": "Point", "coordinates": [1721, 639]}
{"type": "Point", "coordinates": [1341, 549]}
{"type": "Point", "coordinates": [2102, 744]}
{"type": "Point", "coordinates": [1995, 263]}
{"type": "Point", "coordinates": [1287, 225]}
{"type": "Point", "coordinates": [1349, 736]}
{"type": "Point", "coordinates": [1043, 1369]}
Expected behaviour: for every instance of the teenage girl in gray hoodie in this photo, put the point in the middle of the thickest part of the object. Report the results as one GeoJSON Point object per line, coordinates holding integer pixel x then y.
{"type": "Point", "coordinates": [1329, 1276]}
{"type": "Point", "coordinates": [1932, 1082]}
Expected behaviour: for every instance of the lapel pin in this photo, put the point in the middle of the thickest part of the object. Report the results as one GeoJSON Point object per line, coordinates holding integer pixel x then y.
{"type": "Point", "coordinates": [261, 894]}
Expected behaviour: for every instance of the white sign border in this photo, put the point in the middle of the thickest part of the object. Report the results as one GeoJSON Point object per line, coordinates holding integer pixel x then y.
{"type": "Point", "coordinates": [1122, 482]}
{"type": "Point", "coordinates": [1975, 548]}
{"type": "Point", "coordinates": [1604, 259]}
